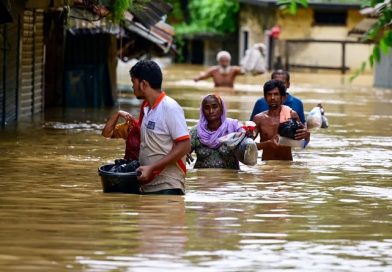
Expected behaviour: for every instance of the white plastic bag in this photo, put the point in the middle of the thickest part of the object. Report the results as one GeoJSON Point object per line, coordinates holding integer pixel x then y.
{"type": "Point", "coordinates": [247, 152]}
{"type": "Point", "coordinates": [316, 118]}
{"type": "Point", "coordinates": [313, 120]}
{"type": "Point", "coordinates": [284, 141]}
{"type": "Point", "coordinates": [232, 140]}
{"type": "Point", "coordinates": [245, 149]}
{"type": "Point", "coordinates": [254, 61]}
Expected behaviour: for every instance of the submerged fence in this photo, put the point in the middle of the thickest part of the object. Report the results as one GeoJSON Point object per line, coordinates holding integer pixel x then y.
{"type": "Point", "coordinates": [289, 53]}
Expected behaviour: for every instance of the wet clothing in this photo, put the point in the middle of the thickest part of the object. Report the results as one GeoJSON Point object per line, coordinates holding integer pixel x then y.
{"type": "Point", "coordinates": [285, 114]}
{"type": "Point", "coordinates": [166, 192]}
{"type": "Point", "coordinates": [162, 126]}
{"type": "Point", "coordinates": [130, 132]}
{"type": "Point", "coordinates": [291, 101]}
{"type": "Point", "coordinates": [206, 157]}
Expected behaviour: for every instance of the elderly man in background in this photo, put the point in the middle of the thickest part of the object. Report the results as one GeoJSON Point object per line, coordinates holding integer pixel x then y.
{"type": "Point", "coordinates": [223, 74]}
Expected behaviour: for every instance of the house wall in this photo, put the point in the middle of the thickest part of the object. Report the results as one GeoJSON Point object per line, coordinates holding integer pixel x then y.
{"type": "Point", "coordinates": [203, 49]}
{"type": "Point", "coordinates": [31, 91]}
{"type": "Point", "coordinates": [325, 54]}
{"type": "Point", "coordinates": [212, 47]}
{"type": "Point", "coordinates": [21, 62]}
{"type": "Point", "coordinates": [9, 70]}
{"type": "Point", "coordinates": [90, 70]}
{"type": "Point", "coordinates": [256, 20]}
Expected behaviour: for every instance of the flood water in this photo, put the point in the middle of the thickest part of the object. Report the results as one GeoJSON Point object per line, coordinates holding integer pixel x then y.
{"type": "Point", "coordinates": [328, 210]}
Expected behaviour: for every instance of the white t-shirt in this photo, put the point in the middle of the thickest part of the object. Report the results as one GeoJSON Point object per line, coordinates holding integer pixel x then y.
{"type": "Point", "coordinates": [162, 126]}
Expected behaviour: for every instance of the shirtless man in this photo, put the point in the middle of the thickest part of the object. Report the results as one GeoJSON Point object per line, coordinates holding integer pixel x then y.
{"type": "Point", "coordinates": [267, 123]}
{"type": "Point", "coordinates": [223, 74]}
{"type": "Point", "coordinates": [290, 100]}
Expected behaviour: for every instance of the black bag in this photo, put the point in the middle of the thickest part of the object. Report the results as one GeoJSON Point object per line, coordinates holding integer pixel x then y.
{"type": "Point", "coordinates": [288, 128]}
{"type": "Point", "coordinates": [124, 166]}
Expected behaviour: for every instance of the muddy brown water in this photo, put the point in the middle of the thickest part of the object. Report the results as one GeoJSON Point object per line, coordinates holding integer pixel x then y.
{"type": "Point", "coordinates": [328, 210]}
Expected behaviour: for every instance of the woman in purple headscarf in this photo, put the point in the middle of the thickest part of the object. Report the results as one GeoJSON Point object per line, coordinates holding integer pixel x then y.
{"type": "Point", "coordinates": [212, 125]}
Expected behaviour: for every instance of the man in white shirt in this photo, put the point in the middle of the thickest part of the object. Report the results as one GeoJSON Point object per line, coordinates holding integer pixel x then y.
{"type": "Point", "coordinates": [164, 136]}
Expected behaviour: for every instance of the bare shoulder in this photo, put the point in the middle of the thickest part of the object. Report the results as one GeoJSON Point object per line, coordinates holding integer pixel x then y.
{"type": "Point", "coordinates": [213, 69]}
{"type": "Point", "coordinates": [260, 117]}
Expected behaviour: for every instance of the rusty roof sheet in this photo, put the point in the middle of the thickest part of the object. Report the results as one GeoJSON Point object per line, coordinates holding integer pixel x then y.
{"type": "Point", "coordinates": [151, 12]}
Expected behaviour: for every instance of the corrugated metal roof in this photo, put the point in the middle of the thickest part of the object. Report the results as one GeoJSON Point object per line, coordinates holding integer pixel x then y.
{"type": "Point", "coordinates": [82, 21]}
{"type": "Point", "coordinates": [151, 12]}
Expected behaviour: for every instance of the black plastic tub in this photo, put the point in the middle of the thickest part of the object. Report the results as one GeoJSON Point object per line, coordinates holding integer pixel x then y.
{"type": "Point", "coordinates": [118, 182]}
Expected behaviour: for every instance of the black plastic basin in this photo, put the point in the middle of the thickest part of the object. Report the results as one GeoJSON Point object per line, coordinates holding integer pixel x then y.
{"type": "Point", "coordinates": [118, 182]}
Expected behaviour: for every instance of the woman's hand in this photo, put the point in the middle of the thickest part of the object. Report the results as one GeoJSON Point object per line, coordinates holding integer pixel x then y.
{"type": "Point", "coordinates": [126, 115]}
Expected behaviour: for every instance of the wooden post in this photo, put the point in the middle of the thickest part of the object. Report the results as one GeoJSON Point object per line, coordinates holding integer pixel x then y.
{"type": "Point", "coordinates": [17, 88]}
{"type": "Point", "coordinates": [343, 57]}
{"type": "Point", "coordinates": [33, 69]}
{"type": "Point", "coordinates": [3, 112]}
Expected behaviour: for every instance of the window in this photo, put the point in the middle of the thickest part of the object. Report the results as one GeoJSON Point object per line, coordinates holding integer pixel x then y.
{"type": "Point", "coordinates": [244, 41]}
{"type": "Point", "coordinates": [330, 17]}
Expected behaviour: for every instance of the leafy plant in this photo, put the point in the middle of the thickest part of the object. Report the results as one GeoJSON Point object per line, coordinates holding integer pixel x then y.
{"type": "Point", "coordinates": [210, 16]}
{"type": "Point", "coordinates": [291, 6]}
{"type": "Point", "coordinates": [118, 8]}
{"type": "Point", "coordinates": [203, 16]}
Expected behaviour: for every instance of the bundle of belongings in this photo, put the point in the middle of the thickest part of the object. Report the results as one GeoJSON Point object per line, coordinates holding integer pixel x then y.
{"type": "Point", "coordinates": [287, 132]}
{"type": "Point", "coordinates": [124, 166]}
{"type": "Point", "coordinates": [242, 144]}
{"type": "Point", "coordinates": [254, 60]}
{"type": "Point", "coordinates": [316, 118]}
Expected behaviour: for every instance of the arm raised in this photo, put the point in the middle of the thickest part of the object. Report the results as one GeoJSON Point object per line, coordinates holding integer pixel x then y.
{"type": "Point", "coordinates": [107, 131]}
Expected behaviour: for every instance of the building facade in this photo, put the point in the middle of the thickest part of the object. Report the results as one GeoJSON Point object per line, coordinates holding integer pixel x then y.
{"type": "Point", "coordinates": [313, 38]}
{"type": "Point", "coordinates": [21, 60]}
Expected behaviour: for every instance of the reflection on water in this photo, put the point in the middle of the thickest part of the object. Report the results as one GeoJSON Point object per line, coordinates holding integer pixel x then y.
{"type": "Point", "coordinates": [328, 210]}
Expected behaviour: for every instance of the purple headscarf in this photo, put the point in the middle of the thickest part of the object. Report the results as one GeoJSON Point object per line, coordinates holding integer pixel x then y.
{"type": "Point", "coordinates": [211, 138]}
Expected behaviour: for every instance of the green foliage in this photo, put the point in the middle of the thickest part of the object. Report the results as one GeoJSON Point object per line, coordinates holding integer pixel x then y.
{"type": "Point", "coordinates": [176, 15]}
{"type": "Point", "coordinates": [210, 16]}
{"type": "Point", "coordinates": [118, 9]}
{"type": "Point", "coordinates": [291, 6]}
{"type": "Point", "coordinates": [205, 16]}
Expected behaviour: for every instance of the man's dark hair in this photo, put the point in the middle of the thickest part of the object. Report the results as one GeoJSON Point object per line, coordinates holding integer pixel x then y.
{"type": "Point", "coordinates": [281, 72]}
{"type": "Point", "coordinates": [149, 71]}
{"type": "Point", "coordinates": [272, 84]}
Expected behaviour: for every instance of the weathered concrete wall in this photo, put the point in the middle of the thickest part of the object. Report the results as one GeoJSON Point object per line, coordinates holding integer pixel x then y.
{"type": "Point", "coordinates": [256, 20]}
{"type": "Point", "coordinates": [301, 27]}
{"type": "Point", "coordinates": [383, 71]}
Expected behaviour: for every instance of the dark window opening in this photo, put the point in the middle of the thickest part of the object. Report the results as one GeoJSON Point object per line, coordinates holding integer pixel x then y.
{"type": "Point", "coordinates": [245, 40]}
{"type": "Point", "coordinates": [326, 17]}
